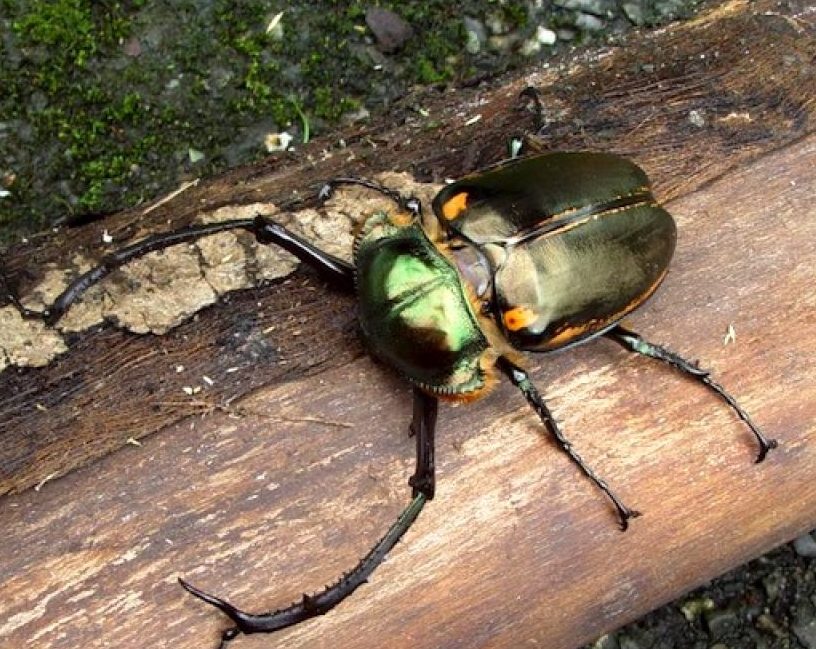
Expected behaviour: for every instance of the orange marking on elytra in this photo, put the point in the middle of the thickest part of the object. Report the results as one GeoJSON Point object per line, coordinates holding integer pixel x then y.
{"type": "Point", "coordinates": [454, 206]}
{"type": "Point", "coordinates": [519, 317]}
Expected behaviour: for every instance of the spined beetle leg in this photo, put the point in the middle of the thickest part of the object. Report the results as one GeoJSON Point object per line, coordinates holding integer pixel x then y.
{"type": "Point", "coordinates": [635, 343]}
{"type": "Point", "coordinates": [335, 270]}
{"type": "Point", "coordinates": [422, 483]}
{"type": "Point", "coordinates": [521, 380]}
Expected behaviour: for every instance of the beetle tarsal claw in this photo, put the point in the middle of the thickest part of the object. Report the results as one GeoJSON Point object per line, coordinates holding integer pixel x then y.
{"type": "Point", "coordinates": [414, 205]}
{"type": "Point", "coordinates": [626, 516]}
{"type": "Point", "coordinates": [325, 192]}
{"type": "Point", "coordinates": [768, 445]}
{"type": "Point", "coordinates": [228, 635]}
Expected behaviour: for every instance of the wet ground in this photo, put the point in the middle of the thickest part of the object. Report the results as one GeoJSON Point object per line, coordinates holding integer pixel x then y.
{"type": "Point", "coordinates": [107, 104]}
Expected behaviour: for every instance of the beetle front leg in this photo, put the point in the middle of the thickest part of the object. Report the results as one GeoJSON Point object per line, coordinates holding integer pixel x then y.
{"type": "Point", "coordinates": [422, 483]}
{"type": "Point", "coordinates": [635, 343]}
{"type": "Point", "coordinates": [335, 270]}
{"type": "Point", "coordinates": [410, 204]}
{"type": "Point", "coordinates": [521, 380]}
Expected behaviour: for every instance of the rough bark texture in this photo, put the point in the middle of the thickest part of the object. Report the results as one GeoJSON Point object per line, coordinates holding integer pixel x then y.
{"type": "Point", "coordinates": [268, 492]}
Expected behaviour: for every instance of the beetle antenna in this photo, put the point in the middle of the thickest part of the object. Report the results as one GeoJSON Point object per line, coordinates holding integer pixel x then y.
{"type": "Point", "coordinates": [635, 343]}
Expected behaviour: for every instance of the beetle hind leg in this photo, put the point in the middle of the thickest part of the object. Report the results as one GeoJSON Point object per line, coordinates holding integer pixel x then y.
{"type": "Point", "coordinates": [521, 380]}
{"type": "Point", "coordinates": [635, 343]}
{"type": "Point", "coordinates": [422, 483]}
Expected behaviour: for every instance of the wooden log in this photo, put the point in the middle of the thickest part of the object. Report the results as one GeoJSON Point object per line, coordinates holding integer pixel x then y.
{"type": "Point", "coordinates": [279, 492]}
{"type": "Point", "coordinates": [689, 104]}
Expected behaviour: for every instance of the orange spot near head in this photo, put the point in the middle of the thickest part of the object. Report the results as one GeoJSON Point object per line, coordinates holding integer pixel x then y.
{"type": "Point", "coordinates": [401, 219]}
{"type": "Point", "coordinates": [519, 317]}
{"type": "Point", "coordinates": [455, 205]}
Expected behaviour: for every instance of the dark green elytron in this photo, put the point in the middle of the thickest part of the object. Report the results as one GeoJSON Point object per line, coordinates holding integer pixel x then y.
{"type": "Point", "coordinates": [535, 254]}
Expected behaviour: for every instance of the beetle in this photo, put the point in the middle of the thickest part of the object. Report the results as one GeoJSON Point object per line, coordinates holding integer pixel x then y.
{"type": "Point", "coordinates": [534, 254]}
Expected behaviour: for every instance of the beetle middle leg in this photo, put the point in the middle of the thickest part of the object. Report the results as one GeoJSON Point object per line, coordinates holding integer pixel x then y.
{"type": "Point", "coordinates": [266, 231]}
{"type": "Point", "coordinates": [521, 380]}
{"type": "Point", "coordinates": [519, 145]}
{"type": "Point", "coordinates": [635, 343]}
{"type": "Point", "coordinates": [422, 484]}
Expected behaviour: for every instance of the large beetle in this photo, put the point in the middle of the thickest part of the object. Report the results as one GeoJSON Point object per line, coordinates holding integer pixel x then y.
{"type": "Point", "coordinates": [534, 254]}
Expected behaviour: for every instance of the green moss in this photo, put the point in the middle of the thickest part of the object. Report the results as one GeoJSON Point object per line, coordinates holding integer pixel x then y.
{"type": "Point", "coordinates": [426, 72]}
{"type": "Point", "coordinates": [516, 14]}
{"type": "Point", "coordinates": [67, 26]}
{"type": "Point", "coordinates": [101, 101]}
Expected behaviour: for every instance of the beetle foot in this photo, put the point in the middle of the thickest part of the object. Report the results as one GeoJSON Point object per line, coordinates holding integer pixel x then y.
{"type": "Point", "coordinates": [325, 192]}
{"type": "Point", "coordinates": [11, 297]}
{"type": "Point", "coordinates": [765, 445]}
{"type": "Point", "coordinates": [241, 619]}
{"type": "Point", "coordinates": [624, 515]}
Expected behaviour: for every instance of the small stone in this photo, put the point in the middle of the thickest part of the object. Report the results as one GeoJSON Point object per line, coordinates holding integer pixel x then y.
{"type": "Point", "coordinates": [805, 546]}
{"type": "Point", "coordinates": [277, 141]}
{"type": "Point", "coordinates": [355, 116]}
{"type": "Point", "coordinates": [545, 36]}
{"type": "Point", "coordinates": [766, 623]}
{"type": "Point", "coordinates": [530, 47]}
{"type": "Point", "coordinates": [805, 632]}
{"type": "Point", "coordinates": [566, 34]}
{"type": "Point", "coordinates": [388, 28]}
{"type": "Point", "coordinates": [773, 584]}
{"type": "Point", "coordinates": [627, 642]}
{"type": "Point", "coordinates": [720, 622]}
{"type": "Point", "coordinates": [132, 47]}
{"type": "Point", "coordinates": [608, 641]}
{"type": "Point", "coordinates": [502, 43]}
{"type": "Point", "coordinates": [594, 7]}
{"type": "Point", "coordinates": [195, 155]}
{"type": "Point", "coordinates": [589, 23]}
{"type": "Point", "coordinates": [496, 25]}
{"type": "Point", "coordinates": [669, 9]}
{"type": "Point", "coordinates": [634, 12]}
{"type": "Point", "coordinates": [697, 118]}
{"type": "Point", "coordinates": [476, 34]}
{"type": "Point", "coordinates": [472, 44]}
{"type": "Point", "coordinates": [694, 608]}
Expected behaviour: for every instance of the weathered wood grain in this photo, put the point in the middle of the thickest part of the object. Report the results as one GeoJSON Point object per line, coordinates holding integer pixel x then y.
{"type": "Point", "coordinates": [745, 70]}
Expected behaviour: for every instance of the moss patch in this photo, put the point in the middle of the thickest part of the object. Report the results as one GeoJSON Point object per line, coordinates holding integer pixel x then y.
{"type": "Point", "coordinates": [106, 104]}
